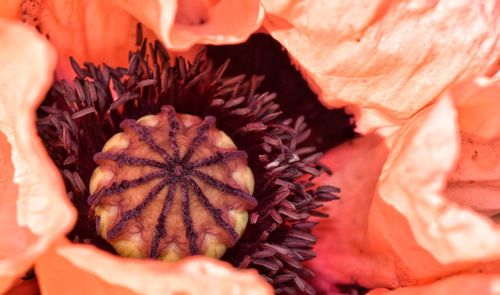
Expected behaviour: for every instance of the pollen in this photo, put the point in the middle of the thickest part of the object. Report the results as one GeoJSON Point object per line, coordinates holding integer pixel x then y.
{"type": "Point", "coordinates": [169, 186]}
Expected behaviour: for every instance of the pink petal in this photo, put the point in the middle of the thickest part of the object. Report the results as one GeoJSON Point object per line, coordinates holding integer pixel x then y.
{"type": "Point", "coordinates": [29, 287]}
{"type": "Point", "coordinates": [35, 209]}
{"type": "Point", "coordinates": [387, 57]}
{"type": "Point", "coordinates": [341, 246]}
{"type": "Point", "coordinates": [181, 24]}
{"type": "Point", "coordinates": [83, 269]}
{"type": "Point", "coordinates": [457, 285]}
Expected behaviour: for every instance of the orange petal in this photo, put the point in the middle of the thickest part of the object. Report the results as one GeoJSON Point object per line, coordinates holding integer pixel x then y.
{"type": "Point", "coordinates": [457, 285]}
{"type": "Point", "coordinates": [10, 9]}
{"type": "Point", "coordinates": [83, 269]}
{"type": "Point", "coordinates": [33, 203]}
{"type": "Point", "coordinates": [390, 57]}
{"type": "Point", "coordinates": [341, 246]}
{"type": "Point", "coordinates": [90, 30]}
{"type": "Point", "coordinates": [476, 180]}
{"type": "Point", "coordinates": [181, 24]}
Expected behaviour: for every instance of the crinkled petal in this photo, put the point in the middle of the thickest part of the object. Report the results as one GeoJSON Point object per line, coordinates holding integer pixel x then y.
{"type": "Point", "coordinates": [35, 209]}
{"type": "Point", "coordinates": [181, 24]}
{"type": "Point", "coordinates": [341, 246]}
{"type": "Point", "coordinates": [90, 30]}
{"type": "Point", "coordinates": [411, 220]}
{"type": "Point", "coordinates": [476, 180]}
{"type": "Point", "coordinates": [457, 285]}
{"type": "Point", "coordinates": [83, 269]}
{"type": "Point", "coordinates": [388, 57]}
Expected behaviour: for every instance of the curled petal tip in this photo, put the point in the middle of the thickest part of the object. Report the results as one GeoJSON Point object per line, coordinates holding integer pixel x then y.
{"type": "Point", "coordinates": [89, 270]}
{"type": "Point", "coordinates": [182, 24]}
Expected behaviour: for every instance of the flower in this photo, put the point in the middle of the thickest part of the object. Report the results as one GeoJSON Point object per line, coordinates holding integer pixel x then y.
{"type": "Point", "coordinates": [405, 210]}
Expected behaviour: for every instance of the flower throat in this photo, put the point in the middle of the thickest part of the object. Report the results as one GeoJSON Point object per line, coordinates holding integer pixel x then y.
{"type": "Point", "coordinates": [76, 121]}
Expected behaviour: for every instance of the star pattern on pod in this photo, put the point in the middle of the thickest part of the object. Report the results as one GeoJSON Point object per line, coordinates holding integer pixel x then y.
{"type": "Point", "coordinates": [176, 172]}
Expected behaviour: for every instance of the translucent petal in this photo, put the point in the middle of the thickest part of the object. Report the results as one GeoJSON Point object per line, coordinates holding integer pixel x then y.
{"type": "Point", "coordinates": [35, 209]}
{"type": "Point", "coordinates": [181, 24]}
{"type": "Point", "coordinates": [83, 269]}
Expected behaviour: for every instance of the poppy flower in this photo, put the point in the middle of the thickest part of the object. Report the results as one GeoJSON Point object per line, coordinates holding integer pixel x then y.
{"type": "Point", "coordinates": [376, 103]}
{"type": "Point", "coordinates": [277, 239]}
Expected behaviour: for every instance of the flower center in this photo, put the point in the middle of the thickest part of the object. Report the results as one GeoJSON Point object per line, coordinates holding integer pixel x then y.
{"type": "Point", "coordinates": [178, 170]}
{"type": "Point", "coordinates": [169, 186]}
{"type": "Point", "coordinates": [146, 197]}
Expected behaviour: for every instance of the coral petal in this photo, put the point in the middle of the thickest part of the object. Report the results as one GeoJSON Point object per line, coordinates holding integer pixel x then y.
{"type": "Point", "coordinates": [181, 24]}
{"type": "Point", "coordinates": [90, 30]}
{"type": "Point", "coordinates": [457, 285]}
{"type": "Point", "coordinates": [33, 203]}
{"type": "Point", "coordinates": [83, 269]}
{"type": "Point", "coordinates": [392, 57]}
{"type": "Point", "coordinates": [10, 9]}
